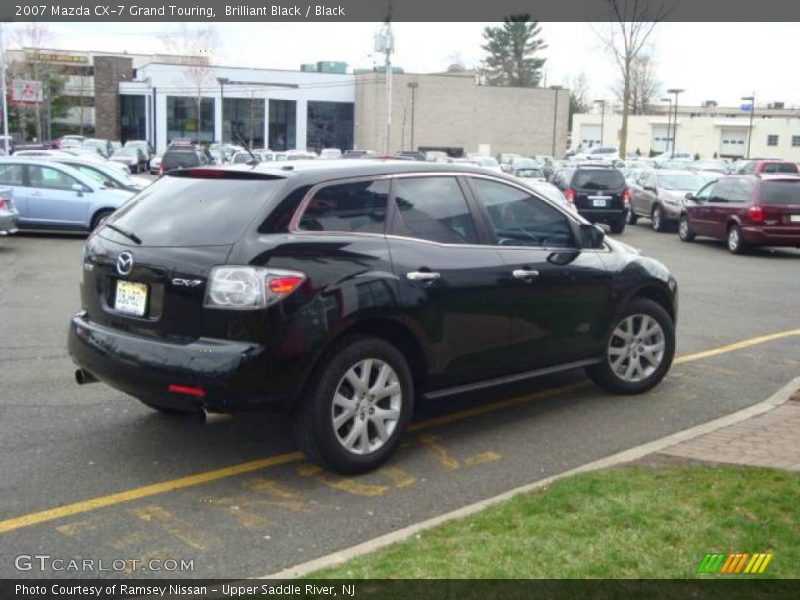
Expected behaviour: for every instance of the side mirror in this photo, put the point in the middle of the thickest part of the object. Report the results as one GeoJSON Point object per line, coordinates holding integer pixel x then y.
{"type": "Point", "coordinates": [78, 189]}
{"type": "Point", "coordinates": [691, 197]}
{"type": "Point", "coordinates": [591, 236]}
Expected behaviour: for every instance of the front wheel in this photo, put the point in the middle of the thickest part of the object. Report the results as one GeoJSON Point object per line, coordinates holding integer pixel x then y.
{"type": "Point", "coordinates": [685, 229]}
{"type": "Point", "coordinates": [359, 402]}
{"type": "Point", "coordinates": [657, 219]}
{"type": "Point", "coordinates": [639, 350]}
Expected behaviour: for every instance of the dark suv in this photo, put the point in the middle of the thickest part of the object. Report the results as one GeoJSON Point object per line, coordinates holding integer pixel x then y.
{"type": "Point", "coordinates": [341, 292]}
{"type": "Point", "coordinates": [181, 157]}
{"type": "Point", "coordinates": [598, 192]}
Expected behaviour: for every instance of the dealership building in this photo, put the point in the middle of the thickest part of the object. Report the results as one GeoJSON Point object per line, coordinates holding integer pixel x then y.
{"type": "Point", "coordinates": [164, 97]}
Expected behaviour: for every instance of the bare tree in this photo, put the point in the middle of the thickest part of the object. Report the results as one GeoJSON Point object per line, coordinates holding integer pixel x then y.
{"type": "Point", "coordinates": [33, 37]}
{"type": "Point", "coordinates": [645, 88]}
{"type": "Point", "coordinates": [196, 49]}
{"type": "Point", "coordinates": [625, 39]}
{"type": "Point", "coordinates": [578, 97]}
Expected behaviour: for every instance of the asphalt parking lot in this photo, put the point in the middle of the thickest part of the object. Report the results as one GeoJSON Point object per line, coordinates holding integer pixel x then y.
{"type": "Point", "coordinates": [91, 474]}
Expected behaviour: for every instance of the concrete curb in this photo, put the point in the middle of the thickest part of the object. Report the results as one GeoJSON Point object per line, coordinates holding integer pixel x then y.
{"type": "Point", "coordinates": [635, 453]}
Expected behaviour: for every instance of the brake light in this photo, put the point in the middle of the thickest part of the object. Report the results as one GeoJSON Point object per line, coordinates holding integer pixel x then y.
{"type": "Point", "coordinates": [161, 169]}
{"type": "Point", "coordinates": [2, 203]}
{"type": "Point", "coordinates": [569, 194]}
{"type": "Point", "coordinates": [185, 389]}
{"type": "Point", "coordinates": [626, 196]}
{"type": "Point", "coordinates": [284, 285]}
{"type": "Point", "coordinates": [756, 214]}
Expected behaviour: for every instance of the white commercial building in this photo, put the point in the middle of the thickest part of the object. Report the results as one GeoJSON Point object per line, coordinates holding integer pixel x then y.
{"type": "Point", "coordinates": [707, 131]}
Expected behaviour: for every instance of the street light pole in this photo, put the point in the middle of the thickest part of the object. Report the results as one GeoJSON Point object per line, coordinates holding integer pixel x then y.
{"type": "Point", "coordinates": [222, 81]}
{"type": "Point", "coordinates": [6, 143]}
{"type": "Point", "coordinates": [669, 122]}
{"type": "Point", "coordinates": [752, 100]}
{"type": "Point", "coordinates": [413, 85]}
{"type": "Point", "coordinates": [555, 88]}
{"type": "Point", "coordinates": [675, 91]}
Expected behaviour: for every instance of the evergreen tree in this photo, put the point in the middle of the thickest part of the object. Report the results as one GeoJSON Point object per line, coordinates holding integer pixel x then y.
{"type": "Point", "coordinates": [512, 49]}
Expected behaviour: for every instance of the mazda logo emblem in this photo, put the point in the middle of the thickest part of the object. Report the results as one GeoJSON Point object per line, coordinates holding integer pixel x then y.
{"type": "Point", "coordinates": [124, 263]}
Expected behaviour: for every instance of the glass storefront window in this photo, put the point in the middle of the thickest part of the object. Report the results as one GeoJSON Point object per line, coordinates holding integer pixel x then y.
{"type": "Point", "coordinates": [330, 125]}
{"type": "Point", "coordinates": [244, 116]}
{"type": "Point", "coordinates": [183, 121]}
{"type": "Point", "coordinates": [132, 117]}
{"type": "Point", "coordinates": [282, 124]}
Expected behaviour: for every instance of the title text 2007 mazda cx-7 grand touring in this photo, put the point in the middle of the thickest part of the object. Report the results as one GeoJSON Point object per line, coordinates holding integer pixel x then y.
{"type": "Point", "coordinates": [341, 292]}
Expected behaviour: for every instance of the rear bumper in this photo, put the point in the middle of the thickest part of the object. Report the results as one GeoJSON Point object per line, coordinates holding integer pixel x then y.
{"type": "Point", "coordinates": [8, 222]}
{"type": "Point", "coordinates": [603, 215]}
{"type": "Point", "coordinates": [231, 374]}
{"type": "Point", "coordinates": [759, 236]}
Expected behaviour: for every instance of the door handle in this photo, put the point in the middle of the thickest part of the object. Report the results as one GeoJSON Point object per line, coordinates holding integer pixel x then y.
{"type": "Point", "coordinates": [524, 273]}
{"type": "Point", "coordinates": [422, 276]}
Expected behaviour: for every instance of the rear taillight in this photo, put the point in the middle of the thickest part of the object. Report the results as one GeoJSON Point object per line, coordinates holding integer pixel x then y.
{"type": "Point", "coordinates": [247, 288]}
{"type": "Point", "coordinates": [2, 203]}
{"type": "Point", "coordinates": [160, 169]}
{"type": "Point", "coordinates": [626, 196]}
{"type": "Point", "coordinates": [756, 214]}
{"type": "Point", "coordinates": [569, 194]}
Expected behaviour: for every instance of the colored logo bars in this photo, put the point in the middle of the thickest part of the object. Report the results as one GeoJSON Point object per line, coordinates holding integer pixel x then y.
{"type": "Point", "coordinates": [734, 563]}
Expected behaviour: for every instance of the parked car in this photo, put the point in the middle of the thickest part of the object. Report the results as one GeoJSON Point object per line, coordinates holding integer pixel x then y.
{"type": "Point", "coordinates": [599, 193]}
{"type": "Point", "coordinates": [487, 162]}
{"type": "Point", "coordinates": [53, 195]}
{"type": "Point", "coordinates": [180, 157]}
{"type": "Point", "coordinates": [710, 165]}
{"type": "Point", "coordinates": [412, 154]}
{"type": "Point", "coordinates": [329, 153]}
{"type": "Point", "coordinates": [104, 173]}
{"type": "Point", "coordinates": [680, 155]}
{"type": "Point", "coordinates": [243, 157]}
{"type": "Point", "coordinates": [8, 145]}
{"type": "Point", "coordinates": [745, 211]}
{"type": "Point", "coordinates": [756, 167]}
{"type": "Point", "coordinates": [659, 194]}
{"type": "Point", "coordinates": [155, 165]}
{"type": "Point", "coordinates": [213, 289]}
{"type": "Point", "coordinates": [101, 146]}
{"type": "Point", "coordinates": [354, 154]}
{"type": "Point", "coordinates": [300, 155]}
{"type": "Point", "coordinates": [530, 173]}
{"type": "Point", "coordinates": [551, 193]}
{"type": "Point", "coordinates": [8, 212]}
{"type": "Point", "coordinates": [675, 164]}
{"type": "Point", "coordinates": [144, 145]}
{"type": "Point", "coordinates": [601, 154]}
{"type": "Point", "coordinates": [132, 157]}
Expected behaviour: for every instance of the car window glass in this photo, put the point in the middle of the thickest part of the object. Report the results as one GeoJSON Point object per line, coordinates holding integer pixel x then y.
{"type": "Point", "coordinates": [520, 219]}
{"type": "Point", "coordinates": [52, 179]}
{"type": "Point", "coordinates": [356, 206]}
{"type": "Point", "coordinates": [598, 179]}
{"type": "Point", "coordinates": [784, 167]}
{"type": "Point", "coordinates": [722, 191]}
{"type": "Point", "coordinates": [705, 192]}
{"type": "Point", "coordinates": [434, 209]}
{"type": "Point", "coordinates": [740, 191]}
{"type": "Point", "coordinates": [11, 174]}
{"type": "Point", "coordinates": [96, 176]}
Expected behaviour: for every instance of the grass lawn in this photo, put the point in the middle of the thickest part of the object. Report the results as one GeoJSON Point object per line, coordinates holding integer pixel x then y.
{"type": "Point", "coordinates": [630, 522]}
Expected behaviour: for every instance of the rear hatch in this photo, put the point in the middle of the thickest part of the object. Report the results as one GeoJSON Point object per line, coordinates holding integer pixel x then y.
{"type": "Point", "coordinates": [145, 271]}
{"type": "Point", "coordinates": [598, 189]}
{"type": "Point", "coordinates": [780, 205]}
{"type": "Point", "coordinates": [179, 159]}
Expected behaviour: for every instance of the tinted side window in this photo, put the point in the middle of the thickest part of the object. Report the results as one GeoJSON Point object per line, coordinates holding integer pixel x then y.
{"type": "Point", "coordinates": [520, 219]}
{"type": "Point", "coordinates": [11, 174]}
{"type": "Point", "coordinates": [434, 209]}
{"type": "Point", "coordinates": [722, 191]}
{"type": "Point", "coordinates": [741, 191]}
{"type": "Point", "coordinates": [356, 206]}
{"type": "Point", "coordinates": [598, 179]}
{"type": "Point", "coordinates": [179, 159]}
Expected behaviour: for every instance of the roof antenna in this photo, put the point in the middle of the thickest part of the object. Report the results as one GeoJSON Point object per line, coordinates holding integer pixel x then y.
{"type": "Point", "coordinates": [239, 138]}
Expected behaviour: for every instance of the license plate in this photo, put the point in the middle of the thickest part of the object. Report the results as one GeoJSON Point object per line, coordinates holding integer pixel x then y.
{"type": "Point", "coordinates": [131, 298]}
{"type": "Point", "coordinates": [598, 202]}
{"type": "Point", "coordinates": [795, 218]}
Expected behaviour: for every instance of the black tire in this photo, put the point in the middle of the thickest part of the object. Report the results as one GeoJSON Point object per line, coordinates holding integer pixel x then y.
{"type": "Point", "coordinates": [632, 217]}
{"type": "Point", "coordinates": [617, 226]}
{"type": "Point", "coordinates": [657, 219]}
{"type": "Point", "coordinates": [603, 374]}
{"type": "Point", "coordinates": [100, 217]}
{"type": "Point", "coordinates": [313, 420]}
{"type": "Point", "coordinates": [685, 229]}
{"type": "Point", "coordinates": [734, 240]}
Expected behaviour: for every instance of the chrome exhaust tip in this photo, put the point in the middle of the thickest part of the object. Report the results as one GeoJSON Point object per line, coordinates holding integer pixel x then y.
{"type": "Point", "coordinates": [83, 377]}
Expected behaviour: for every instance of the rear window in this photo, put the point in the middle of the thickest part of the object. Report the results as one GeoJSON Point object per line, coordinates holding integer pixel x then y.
{"type": "Point", "coordinates": [598, 179]}
{"type": "Point", "coordinates": [192, 211]}
{"type": "Point", "coordinates": [779, 167]}
{"type": "Point", "coordinates": [177, 159]}
{"type": "Point", "coordinates": [780, 192]}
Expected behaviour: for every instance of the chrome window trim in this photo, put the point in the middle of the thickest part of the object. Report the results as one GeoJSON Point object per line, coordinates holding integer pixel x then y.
{"type": "Point", "coordinates": [314, 189]}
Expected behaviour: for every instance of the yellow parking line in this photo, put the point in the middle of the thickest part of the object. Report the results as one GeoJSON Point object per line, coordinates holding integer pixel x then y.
{"type": "Point", "coordinates": [291, 457]}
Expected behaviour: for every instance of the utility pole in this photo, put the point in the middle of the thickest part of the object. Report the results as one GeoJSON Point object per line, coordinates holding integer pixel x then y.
{"type": "Point", "coordinates": [384, 44]}
{"type": "Point", "coordinates": [6, 143]}
{"type": "Point", "coordinates": [556, 88]}
{"type": "Point", "coordinates": [413, 85]}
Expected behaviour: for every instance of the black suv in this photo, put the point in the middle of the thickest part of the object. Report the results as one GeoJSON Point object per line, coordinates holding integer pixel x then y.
{"type": "Point", "coordinates": [598, 192]}
{"type": "Point", "coordinates": [341, 292]}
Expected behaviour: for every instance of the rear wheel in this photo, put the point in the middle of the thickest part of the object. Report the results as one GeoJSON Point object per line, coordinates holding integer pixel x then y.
{"type": "Point", "coordinates": [735, 242]}
{"type": "Point", "coordinates": [639, 349]}
{"type": "Point", "coordinates": [359, 402]}
{"type": "Point", "coordinates": [632, 217]}
{"type": "Point", "coordinates": [657, 219]}
{"type": "Point", "coordinates": [618, 226]}
{"type": "Point", "coordinates": [100, 218]}
{"type": "Point", "coordinates": [685, 229]}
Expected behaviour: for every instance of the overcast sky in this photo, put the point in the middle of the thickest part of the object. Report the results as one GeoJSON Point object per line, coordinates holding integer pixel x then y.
{"type": "Point", "coordinates": [711, 61]}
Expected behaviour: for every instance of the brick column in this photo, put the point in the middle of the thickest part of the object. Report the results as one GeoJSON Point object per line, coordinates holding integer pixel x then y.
{"type": "Point", "coordinates": [109, 71]}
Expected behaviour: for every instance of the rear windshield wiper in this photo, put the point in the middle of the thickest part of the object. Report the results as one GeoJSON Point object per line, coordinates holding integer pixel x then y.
{"type": "Point", "coordinates": [128, 234]}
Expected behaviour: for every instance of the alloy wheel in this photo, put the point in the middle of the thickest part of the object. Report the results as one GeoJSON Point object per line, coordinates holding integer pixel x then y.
{"type": "Point", "coordinates": [683, 229]}
{"type": "Point", "coordinates": [733, 239]}
{"type": "Point", "coordinates": [657, 218]}
{"type": "Point", "coordinates": [636, 348]}
{"type": "Point", "coordinates": [366, 406]}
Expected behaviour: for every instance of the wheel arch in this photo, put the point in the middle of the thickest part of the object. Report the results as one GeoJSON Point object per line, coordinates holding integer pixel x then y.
{"type": "Point", "coordinates": [659, 294]}
{"type": "Point", "coordinates": [97, 212]}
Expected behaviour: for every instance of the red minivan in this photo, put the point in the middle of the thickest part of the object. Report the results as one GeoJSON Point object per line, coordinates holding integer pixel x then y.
{"type": "Point", "coordinates": [745, 210]}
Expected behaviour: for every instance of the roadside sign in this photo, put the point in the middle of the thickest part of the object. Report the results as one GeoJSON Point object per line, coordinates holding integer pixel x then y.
{"type": "Point", "coordinates": [746, 107]}
{"type": "Point", "coordinates": [26, 91]}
